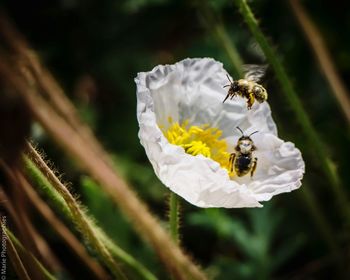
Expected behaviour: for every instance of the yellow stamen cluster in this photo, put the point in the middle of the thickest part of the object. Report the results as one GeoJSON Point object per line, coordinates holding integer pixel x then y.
{"type": "Point", "coordinates": [198, 140]}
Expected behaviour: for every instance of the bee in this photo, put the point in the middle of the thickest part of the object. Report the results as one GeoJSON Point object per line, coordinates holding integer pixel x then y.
{"type": "Point", "coordinates": [242, 161]}
{"type": "Point", "coordinates": [248, 87]}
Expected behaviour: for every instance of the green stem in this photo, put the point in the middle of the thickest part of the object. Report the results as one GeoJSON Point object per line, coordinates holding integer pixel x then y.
{"type": "Point", "coordinates": [174, 216]}
{"type": "Point", "coordinates": [16, 260]}
{"type": "Point", "coordinates": [119, 253]}
{"type": "Point", "coordinates": [231, 50]}
{"type": "Point", "coordinates": [301, 116]}
{"type": "Point", "coordinates": [319, 219]}
{"type": "Point", "coordinates": [83, 226]}
{"type": "Point", "coordinates": [213, 23]}
{"type": "Point", "coordinates": [71, 209]}
{"type": "Point", "coordinates": [47, 275]}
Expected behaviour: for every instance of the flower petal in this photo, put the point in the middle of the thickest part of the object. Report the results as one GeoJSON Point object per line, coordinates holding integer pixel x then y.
{"type": "Point", "coordinates": [193, 90]}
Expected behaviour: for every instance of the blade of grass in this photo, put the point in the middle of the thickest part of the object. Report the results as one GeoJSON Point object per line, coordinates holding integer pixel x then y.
{"type": "Point", "coordinates": [318, 46]}
{"type": "Point", "coordinates": [32, 239]}
{"type": "Point", "coordinates": [319, 219]}
{"type": "Point", "coordinates": [213, 23]}
{"type": "Point", "coordinates": [14, 257]}
{"type": "Point", "coordinates": [31, 67]}
{"type": "Point", "coordinates": [302, 117]}
{"type": "Point", "coordinates": [27, 260]}
{"type": "Point", "coordinates": [45, 273]}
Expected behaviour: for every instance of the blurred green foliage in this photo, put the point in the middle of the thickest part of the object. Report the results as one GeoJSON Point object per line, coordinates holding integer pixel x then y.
{"type": "Point", "coordinates": [254, 240]}
{"type": "Point", "coordinates": [96, 48]}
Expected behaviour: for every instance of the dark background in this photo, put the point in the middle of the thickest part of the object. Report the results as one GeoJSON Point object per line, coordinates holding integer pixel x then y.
{"type": "Point", "coordinates": [96, 48]}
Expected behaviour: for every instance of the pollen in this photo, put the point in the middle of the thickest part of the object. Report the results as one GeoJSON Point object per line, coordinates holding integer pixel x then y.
{"type": "Point", "coordinates": [199, 140]}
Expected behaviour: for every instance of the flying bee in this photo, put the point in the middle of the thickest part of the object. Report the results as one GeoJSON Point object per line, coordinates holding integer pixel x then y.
{"type": "Point", "coordinates": [248, 87]}
{"type": "Point", "coordinates": [242, 161]}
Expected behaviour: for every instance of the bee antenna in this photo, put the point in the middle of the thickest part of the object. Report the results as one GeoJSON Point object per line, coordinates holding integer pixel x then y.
{"type": "Point", "coordinates": [253, 133]}
{"type": "Point", "coordinates": [228, 78]}
{"type": "Point", "coordinates": [240, 130]}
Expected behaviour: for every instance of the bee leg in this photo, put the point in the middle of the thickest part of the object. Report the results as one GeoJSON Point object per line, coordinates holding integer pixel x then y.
{"type": "Point", "coordinates": [250, 101]}
{"type": "Point", "coordinates": [232, 161]}
{"type": "Point", "coordinates": [227, 96]}
{"type": "Point", "coordinates": [254, 164]}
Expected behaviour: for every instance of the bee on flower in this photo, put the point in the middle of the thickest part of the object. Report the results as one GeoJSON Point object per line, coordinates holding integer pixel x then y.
{"type": "Point", "coordinates": [242, 160]}
{"type": "Point", "coordinates": [189, 136]}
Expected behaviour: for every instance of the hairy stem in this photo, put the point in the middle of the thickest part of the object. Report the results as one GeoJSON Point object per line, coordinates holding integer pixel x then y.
{"type": "Point", "coordinates": [174, 216]}
{"type": "Point", "coordinates": [60, 227]}
{"type": "Point", "coordinates": [87, 231]}
{"type": "Point", "coordinates": [67, 204]}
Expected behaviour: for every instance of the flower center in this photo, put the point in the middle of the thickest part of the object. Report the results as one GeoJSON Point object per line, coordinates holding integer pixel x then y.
{"type": "Point", "coordinates": [199, 140]}
{"type": "Point", "coordinates": [197, 147]}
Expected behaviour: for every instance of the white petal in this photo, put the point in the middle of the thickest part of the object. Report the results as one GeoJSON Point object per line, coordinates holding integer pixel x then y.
{"type": "Point", "coordinates": [193, 90]}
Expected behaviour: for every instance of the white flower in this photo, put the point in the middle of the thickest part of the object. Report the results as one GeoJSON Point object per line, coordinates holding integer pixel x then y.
{"type": "Point", "coordinates": [175, 102]}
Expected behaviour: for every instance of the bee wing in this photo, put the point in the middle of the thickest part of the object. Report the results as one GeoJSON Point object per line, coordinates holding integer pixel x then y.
{"type": "Point", "coordinates": [253, 72]}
